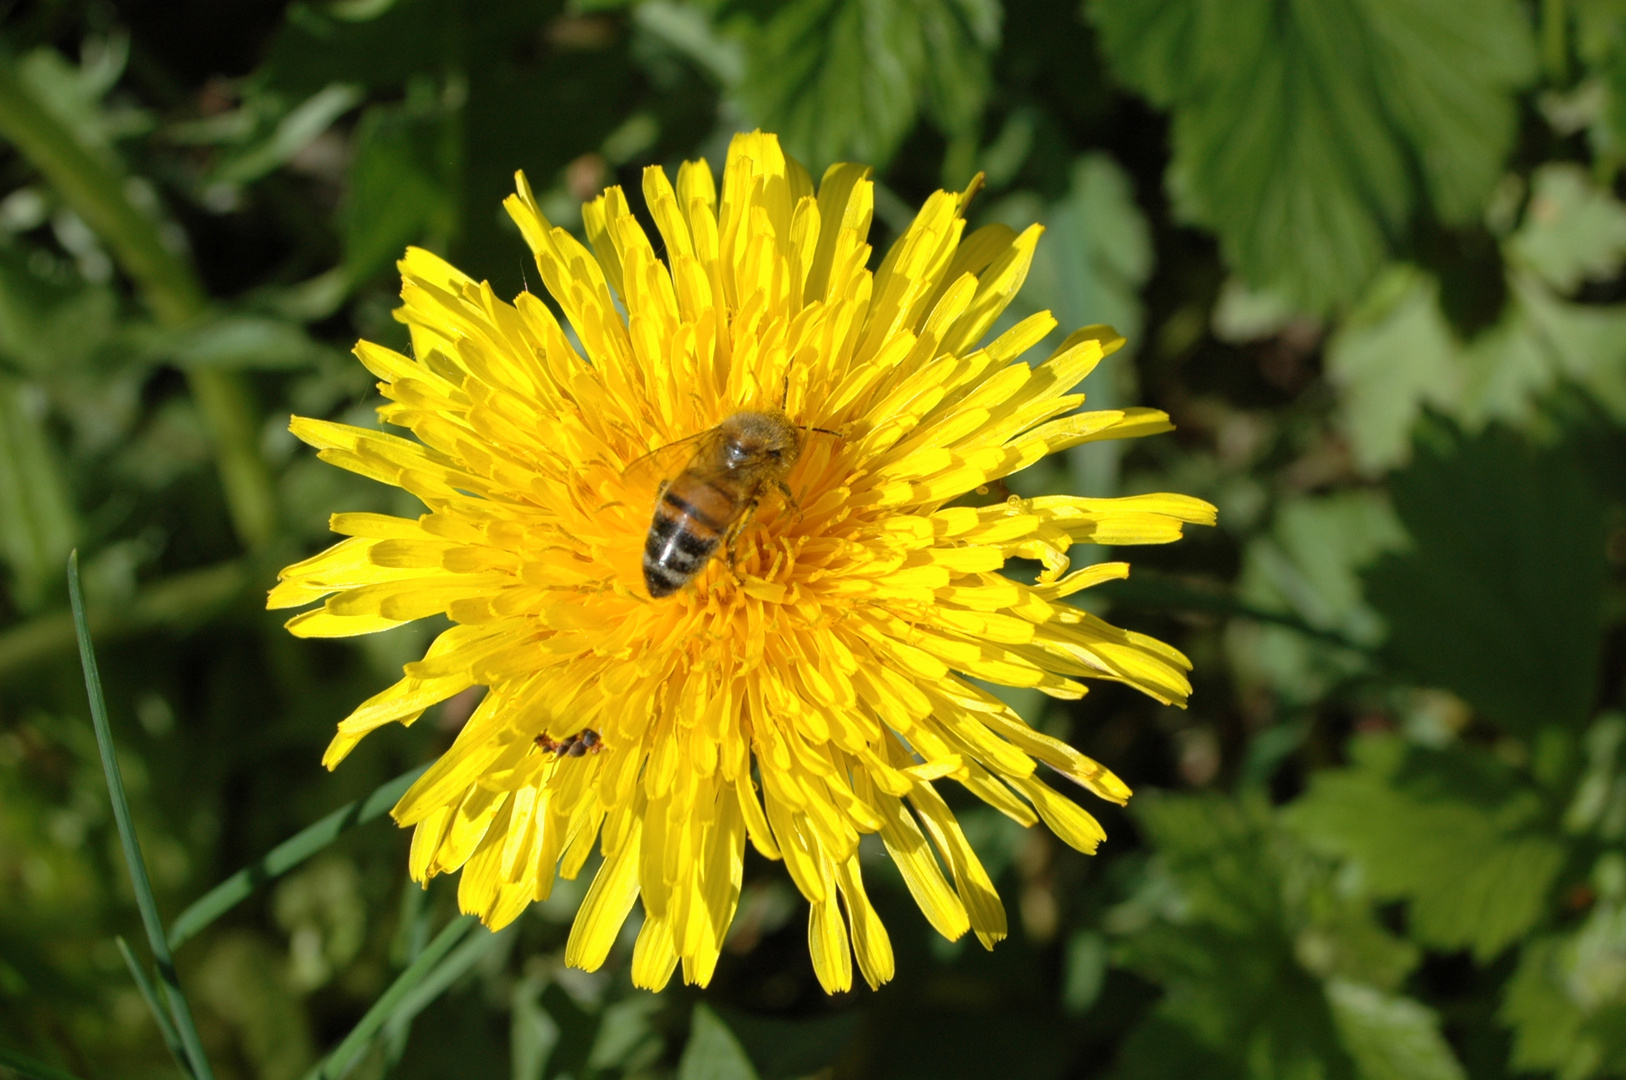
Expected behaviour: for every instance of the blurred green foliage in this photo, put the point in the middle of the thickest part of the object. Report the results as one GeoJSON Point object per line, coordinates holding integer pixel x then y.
{"type": "Point", "coordinates": [1371, 256]}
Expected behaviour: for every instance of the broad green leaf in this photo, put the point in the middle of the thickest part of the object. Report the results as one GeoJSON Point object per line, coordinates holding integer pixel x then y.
{"type": "Point", "coordinates": [1390, 1037]}
{"type": "Point", "coordinates": [1397, 356]}
{"type": "Point", "coordinates": [1450, 831]}
{"type": "Point", "coordinates": [958, 35]}
{"type": "Point", "coordinates": [1566, 1002]}
{"type": "Point", "coordinates": [712, 1052]}
{"type": "Point", "coordinates": [1547, 1025]}
{"type": "Point", "coordinates": [1300, 124]}
{"type": "Point", "coordinates": [1585, 343]}
{"type": "Point", "coordinates": [38, 525]}
{"type": "Point", "coordinates": [1308, 565]}
{"type": "Point", "coordinates": [844, 79]}
{"type": "Point", "coordinates": [1573, 230]}
{"type": "Point", "coordinates": [1240, 927]}
{"type": "Point", "coordinates": [1499, 599]}
{"type": "Point", "coordinates": [1392, 357]}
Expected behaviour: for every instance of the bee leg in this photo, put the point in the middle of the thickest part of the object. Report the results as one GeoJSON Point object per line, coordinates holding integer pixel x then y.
{"type": "Point", "coordinates": [790, 498]}
{"type": "Point", "coordinates": [734, 531]}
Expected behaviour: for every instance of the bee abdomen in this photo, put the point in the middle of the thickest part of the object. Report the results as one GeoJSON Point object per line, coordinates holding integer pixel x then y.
{"type": "Point", "coordinates": [682, 539]}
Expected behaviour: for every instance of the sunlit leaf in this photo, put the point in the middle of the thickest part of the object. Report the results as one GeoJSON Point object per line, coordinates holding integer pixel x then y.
{"type": "Point", "coordinates": [1390, 1037]}
{"type": "Point", "coordinates": [1309, 565]}
{"type": "Point", "coordinates": [1298, 127]}
{"type": "Point", "coordinates": [1572, 231]}
{"type": "Point", "coordinates": [1452, 832]}
{"type": "Point", "coordinates": [1241, 928]}
{"type": "Point", "coordinates": [844, 79]}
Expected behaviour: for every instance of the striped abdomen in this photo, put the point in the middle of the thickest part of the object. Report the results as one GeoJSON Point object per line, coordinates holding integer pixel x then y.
{"type": "Point", "coordinates": [691, 516]}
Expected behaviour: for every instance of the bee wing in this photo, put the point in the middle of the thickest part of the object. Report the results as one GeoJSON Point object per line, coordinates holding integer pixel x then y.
{"type": "Point", "coordinates": [663, 462]}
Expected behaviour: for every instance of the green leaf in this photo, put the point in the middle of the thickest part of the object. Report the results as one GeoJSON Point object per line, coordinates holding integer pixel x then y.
{"type": "Point", "coordinates": [712, 1052]}
{"type": "Point", "coordinates": [845, 78]}
{"type": "Point", "coordinates": [238, 342]}
{"type": "Point", "coordinates": [790, 1049]}
{"type": "Point", "coordinates": [399, 191]}
{"type": "Point", "coordinates": [1390, 1037]}
{"type": "Point", "coordinates": [73, 95]}
{"type": "Point", "coordinates": [1392, 357]}
{"type": "Point", "coordinates": [1566, 1002]}
{"type": "Point", "coordinates": [1573, 230]}
{"type": "Point", "coordinates": [1298, 127]}
{"type": "Point", "coordinates": [1585, 343]}
{"type": "Point", "coordinates": [50, 322]}
{"type": "Point", "coordinates": [1096, 253]}
{"type": "Point", "coordinates": [1599, 804]}
{"type": "Point", "coordinates": [1309, 565]}
{"type": "Point", "coordinates": [1500, 597]}
{"type": "Point", "coordinates": [1453, 832]}
{"type": "Point", "coordinates": [1258, 954]}
{"type": "Point", "coordinates": [38, 525]}
{"type": "Point", "coordinates": [292, 133]}
{"type": "Point", "coordinates": [958, 36]}
{"type": "Point", "coordinates": [1396, 356]}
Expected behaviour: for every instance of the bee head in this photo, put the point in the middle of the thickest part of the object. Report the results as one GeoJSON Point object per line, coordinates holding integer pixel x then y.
{"type": "Point", "coordinates": [756, 439]}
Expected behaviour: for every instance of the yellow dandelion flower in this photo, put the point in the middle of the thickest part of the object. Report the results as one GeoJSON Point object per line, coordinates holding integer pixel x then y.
{"type": "Point", "coordinates": [813, 681]}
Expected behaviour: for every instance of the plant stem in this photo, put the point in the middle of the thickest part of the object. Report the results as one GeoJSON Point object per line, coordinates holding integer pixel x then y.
{"type": "Point", "coordinates": [96, 190]}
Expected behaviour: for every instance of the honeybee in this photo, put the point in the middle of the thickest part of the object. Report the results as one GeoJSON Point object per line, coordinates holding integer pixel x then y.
{"type": "Point", "coordinates": [706, 505]}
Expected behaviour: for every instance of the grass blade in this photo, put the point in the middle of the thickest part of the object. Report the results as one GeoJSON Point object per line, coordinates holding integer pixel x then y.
{"type": "Point", "coordinates": [179, 1010]}
{"type": "Point", "coordinates": [166, 1026]}
{"type": "Point", "coordinates": [29, 1069]}
{"type": "Point", "coordinates": [285, 856]}
{"type": "Point", "coordinates": [345, 1056]}
{"type": "Point", "coordinates": [456, 964]}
